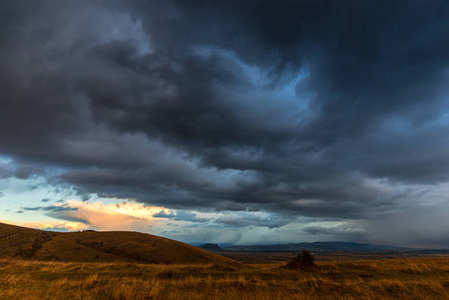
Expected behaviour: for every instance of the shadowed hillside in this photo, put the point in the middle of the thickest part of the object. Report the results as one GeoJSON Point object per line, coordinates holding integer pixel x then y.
{"type": "Point", "coordinates": [92, 246]}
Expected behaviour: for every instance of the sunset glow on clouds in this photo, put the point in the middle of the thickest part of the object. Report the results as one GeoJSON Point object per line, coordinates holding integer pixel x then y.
{"type": "Point", "coordinates": [101, 216]}
{"type": "Point", "coordinates": [120, 216]}
{"type": "Point", "coordinates": [51, 225]}
{"type": "Point", "coordinates": [74, 215]}
{"type": "Point", "coordinates": [127, 215]}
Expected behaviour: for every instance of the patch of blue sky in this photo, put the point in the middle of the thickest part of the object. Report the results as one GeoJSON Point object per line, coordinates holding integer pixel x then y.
{"type": "Point", "coordinates": [19, 193]}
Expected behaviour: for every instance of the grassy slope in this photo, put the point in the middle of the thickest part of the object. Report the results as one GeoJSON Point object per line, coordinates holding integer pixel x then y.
{"type": "Point", "coordinates": [14, 239]}
{"type": "Point", "coordinates": [93, 246]}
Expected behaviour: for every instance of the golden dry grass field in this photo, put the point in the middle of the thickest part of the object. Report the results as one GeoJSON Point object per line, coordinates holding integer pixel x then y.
{"type": "Point", "coordinates": [414, 278]}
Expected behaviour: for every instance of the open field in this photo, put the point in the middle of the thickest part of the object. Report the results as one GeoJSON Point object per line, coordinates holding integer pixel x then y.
{"type": "Point", "coordinates": [414, 278]}
{"type": "Point", "coordinates": [262, 257]}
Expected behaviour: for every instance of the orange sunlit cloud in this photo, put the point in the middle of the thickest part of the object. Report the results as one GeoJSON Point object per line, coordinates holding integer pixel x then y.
{"type": "Point", "coordinates": [70, 226]}
{"type": "Point", "coordinates": [114, 216]}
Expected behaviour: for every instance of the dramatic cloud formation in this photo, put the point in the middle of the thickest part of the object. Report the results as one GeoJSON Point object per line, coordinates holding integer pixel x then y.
{"type": "Point", "coordinates": [319, 119]}
{"type": "Point", "coordinates": [120, 216]}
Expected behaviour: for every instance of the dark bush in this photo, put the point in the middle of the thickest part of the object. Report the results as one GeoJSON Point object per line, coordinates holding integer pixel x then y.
{"type": "Point", "coordinates": [304, 260]}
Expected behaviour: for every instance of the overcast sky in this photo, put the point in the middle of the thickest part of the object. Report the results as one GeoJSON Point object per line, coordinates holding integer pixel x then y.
{"type": "Point", "coordinates": [240, 122]}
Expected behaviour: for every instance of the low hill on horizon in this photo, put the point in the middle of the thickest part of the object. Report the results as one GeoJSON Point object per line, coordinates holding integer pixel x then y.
{"type": "Point", "coordinates": [315, 246]}
{"type": "Point", "coordinates": [95, 246]}
{"type": "Point", "coordinates": [211, 247]}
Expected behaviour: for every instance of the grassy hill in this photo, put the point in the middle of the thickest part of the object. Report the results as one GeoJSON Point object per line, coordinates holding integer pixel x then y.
{"type": "Point", "coordinates": [92, 246]}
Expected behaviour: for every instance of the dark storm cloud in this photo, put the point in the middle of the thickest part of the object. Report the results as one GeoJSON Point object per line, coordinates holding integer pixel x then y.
{"type": "Point", "coordinates": [336, 231]}
{"type": "Point", "coordinates": [24, 171]}
{"type": "Point", "coordinates": [306, 108]}
{"type": "Point", "coordinates": [240, 220]}
{"type": "Point", "coordinates": [180, 216]}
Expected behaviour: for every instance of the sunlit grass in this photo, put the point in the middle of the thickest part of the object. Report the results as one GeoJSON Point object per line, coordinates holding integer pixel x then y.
{"type": "Point", "coordinates": [418, 278]}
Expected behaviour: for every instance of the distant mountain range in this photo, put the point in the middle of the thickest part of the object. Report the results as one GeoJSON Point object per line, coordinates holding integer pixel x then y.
{"type": "Point", "coordinates": [298, 246]}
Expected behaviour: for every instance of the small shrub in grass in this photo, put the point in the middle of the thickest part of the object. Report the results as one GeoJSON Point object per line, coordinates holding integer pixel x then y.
{"type": "Point", "coordinates": [304, 260]}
